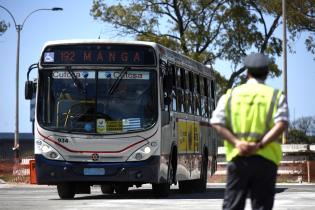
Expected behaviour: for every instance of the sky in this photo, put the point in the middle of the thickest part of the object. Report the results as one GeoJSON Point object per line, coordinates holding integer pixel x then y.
{"type": "Point", "coordinates": [75, 22]}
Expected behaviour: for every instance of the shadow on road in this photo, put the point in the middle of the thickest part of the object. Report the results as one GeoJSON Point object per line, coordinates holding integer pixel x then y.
{"type": "Point", "coordinates": [211, 193]}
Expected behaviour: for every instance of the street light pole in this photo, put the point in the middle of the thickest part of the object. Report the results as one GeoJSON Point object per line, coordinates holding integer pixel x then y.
{"type": "Point", "coordinates": [16, 146]}
{"type": "Point", "coordinates": [284, 48]}
{"type": "Point", "coordinates": [19, 27]}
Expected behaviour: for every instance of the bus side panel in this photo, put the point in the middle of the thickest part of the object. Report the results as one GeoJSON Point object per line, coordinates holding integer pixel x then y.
{"type": "Point", "coordinates": [184, 133]}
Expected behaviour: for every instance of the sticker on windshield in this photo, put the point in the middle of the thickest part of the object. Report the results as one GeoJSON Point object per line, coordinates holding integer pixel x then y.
{"type": "Point", "coordinates": [49, 57]}
{"type": "Point", "coordinates": [131, 124]}
{"type": "Point", "coordinates": [114, 126]}
{"type": "Point", "coordinates": [78, 74]}
{"type": "Point", "coordinates": [100, 126]}
{"type": "Point", "coordinates": [138, 75]}
{"type": "Point", "coordinates": [103, 126]}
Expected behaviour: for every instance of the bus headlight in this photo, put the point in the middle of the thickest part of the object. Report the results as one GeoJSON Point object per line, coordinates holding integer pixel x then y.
{"type": "Point", "coordinates": [144, 152]}
{"type": "Point", "coordinates": [47, 151]}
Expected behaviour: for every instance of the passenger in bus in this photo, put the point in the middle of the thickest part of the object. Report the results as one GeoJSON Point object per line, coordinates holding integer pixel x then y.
{"type": "Point", "coordinates": [251, 118]}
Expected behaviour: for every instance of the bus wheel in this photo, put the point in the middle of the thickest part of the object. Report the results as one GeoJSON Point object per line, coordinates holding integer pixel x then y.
{"type": "Point", "coordinates": [121, 188]}
{"type": "Point", "coordinates": [200, 185]}
{"type": "Point", "coordinates": [66, 190]}
{"type": "Point", "coordinates": [161, 190]}
{"type": "Point", "coordinates": [185, 186]}
{"type": "Point", "coordinates": [107, 188]}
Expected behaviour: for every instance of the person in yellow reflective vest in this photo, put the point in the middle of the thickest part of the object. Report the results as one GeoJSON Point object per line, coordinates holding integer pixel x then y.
{"type": "Point", "coordinates": [251, 119]}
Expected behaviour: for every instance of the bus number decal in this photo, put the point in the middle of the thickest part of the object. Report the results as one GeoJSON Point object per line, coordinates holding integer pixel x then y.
{"type": "Point", "coordinates": [63, 140]}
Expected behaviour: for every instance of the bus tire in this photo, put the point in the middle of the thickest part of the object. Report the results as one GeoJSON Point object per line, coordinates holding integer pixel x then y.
{"type": "Point", "coordinates": [66, 190]}
{"type": "Point", "coordinates": [107, 189]}
{"type": "Point", "coordinates": [186, 186]}
{"type": "Point", "coordinates": [161, 190]}
{"type": "Point", "coordinates": [121, 188]}
{"type": "Point", "coordinates": [200, 185]}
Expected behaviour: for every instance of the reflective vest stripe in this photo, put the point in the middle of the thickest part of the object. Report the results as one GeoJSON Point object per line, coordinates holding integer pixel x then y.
{"type": "Point", "coordinates": [229, 111]}
{"type": "Point", "coordinates": [271, 108]}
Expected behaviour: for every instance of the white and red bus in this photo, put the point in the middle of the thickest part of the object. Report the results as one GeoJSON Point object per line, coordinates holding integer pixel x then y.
{"type": "Point", "coordinates": [122, 114]}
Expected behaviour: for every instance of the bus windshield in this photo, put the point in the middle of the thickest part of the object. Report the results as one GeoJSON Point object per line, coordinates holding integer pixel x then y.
{"type": "Point", "coordinates": [102, 101]}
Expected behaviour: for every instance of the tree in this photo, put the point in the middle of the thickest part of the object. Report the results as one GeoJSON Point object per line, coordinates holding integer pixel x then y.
{"type": "Point", "coordinates": [301, 18]}
{"type": "Point", "coordinates": [305, 124]}
{"type": "Point", "coordinates": [205, 30]}
{"type": "Point", "coordinates": [302, 130]}
{"type": "Point", "coordinates": [297, 137]}
{"type": "Point", "coordinates": [3, 27]}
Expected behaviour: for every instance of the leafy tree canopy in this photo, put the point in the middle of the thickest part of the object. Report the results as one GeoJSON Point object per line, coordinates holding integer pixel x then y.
{"type": "Point", "coordinates": [207, 30]}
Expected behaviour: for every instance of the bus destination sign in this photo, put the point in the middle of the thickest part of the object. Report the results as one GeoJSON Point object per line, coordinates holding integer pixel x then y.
{"type": "Point", "coordinates": [98, 54]}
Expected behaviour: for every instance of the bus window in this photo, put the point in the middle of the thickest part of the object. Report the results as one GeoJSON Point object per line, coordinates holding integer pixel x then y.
{"type": "Point", "coordinates": [209, 98]}
{"type": "Point", "coordinates": [201, 80]}
{"type": "Point", "coordinates": [173, 94]}
{"type": "Point", "coordinates": [203, 97]}
{"type": "Point", "coordinates": [191, 89]}
{"type": "Point", "coordinates": [206, 85]}
{"type": "Point", "coordinates": [187, 83]}
{"type": "Point", "coordinates": [212, 91]}
{"type": "Point", "coordinates": [182, 78]}
{"type": "Point", "coordinates": [182, 89]}
{"type": "Point", "coordinates": [187, 97]}
{"type": "Point", "coordinates": [197, 94]}
{"type": "Point", "coordinates": [167, 84]}
{"type": "Point", "coordinates": [206, 104]}
{"type": "Point", "coordinates": [178, 78]}
{"type": "Point", "coordinates": [191, 81]}
{"type": "Point", "coordinates": [63, 106]}
{"type": "Point", "coordinates": [173, 73]}
{"type": "Point", "coordinates": [179, 90]}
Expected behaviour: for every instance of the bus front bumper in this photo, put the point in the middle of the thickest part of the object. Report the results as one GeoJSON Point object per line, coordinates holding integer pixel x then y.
{"type": "Point", "coordinates": [52, 172]}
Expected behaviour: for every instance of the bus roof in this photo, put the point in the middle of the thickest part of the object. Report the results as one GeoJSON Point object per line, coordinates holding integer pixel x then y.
{"type": "Point", "coordinates": [94, 41]}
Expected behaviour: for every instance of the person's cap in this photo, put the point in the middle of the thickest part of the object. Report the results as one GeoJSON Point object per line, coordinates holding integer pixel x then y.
{"type": "Point", "coordinates": [256, 61]}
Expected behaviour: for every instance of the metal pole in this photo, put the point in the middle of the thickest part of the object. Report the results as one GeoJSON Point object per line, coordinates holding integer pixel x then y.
{"type": "Point", "coordinates": [16, 147]}
{"type": "Point", "coordinates": [284, 48]}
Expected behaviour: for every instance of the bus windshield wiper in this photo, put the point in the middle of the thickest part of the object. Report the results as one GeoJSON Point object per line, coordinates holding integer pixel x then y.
{"type": "Point", "coordinates": [76, 81]}
{"type": "Point", "coordinates": [117, 81]}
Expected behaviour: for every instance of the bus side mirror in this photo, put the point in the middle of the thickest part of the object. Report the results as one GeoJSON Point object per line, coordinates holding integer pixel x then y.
{"type": "Point", "coordinates": [29, 89]}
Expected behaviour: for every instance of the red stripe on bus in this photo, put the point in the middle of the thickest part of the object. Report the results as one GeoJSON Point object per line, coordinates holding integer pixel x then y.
{"type": "Point", "coordinates": [77, 151]}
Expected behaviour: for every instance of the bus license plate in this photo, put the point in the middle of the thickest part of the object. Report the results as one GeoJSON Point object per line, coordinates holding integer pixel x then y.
{"type": "Point", "coordinates": [94, 171]}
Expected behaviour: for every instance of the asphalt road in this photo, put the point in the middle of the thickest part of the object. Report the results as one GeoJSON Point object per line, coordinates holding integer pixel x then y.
{"type": "Point", "coordinates": [26, 197]}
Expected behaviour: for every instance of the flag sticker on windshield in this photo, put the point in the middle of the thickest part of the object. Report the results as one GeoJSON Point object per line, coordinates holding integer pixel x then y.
{"type": "Point", "coordinates": [131, 124]}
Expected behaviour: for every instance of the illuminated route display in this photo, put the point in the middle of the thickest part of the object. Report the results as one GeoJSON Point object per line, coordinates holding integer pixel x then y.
{"type": "Point", "coordinates": [98, 54]}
